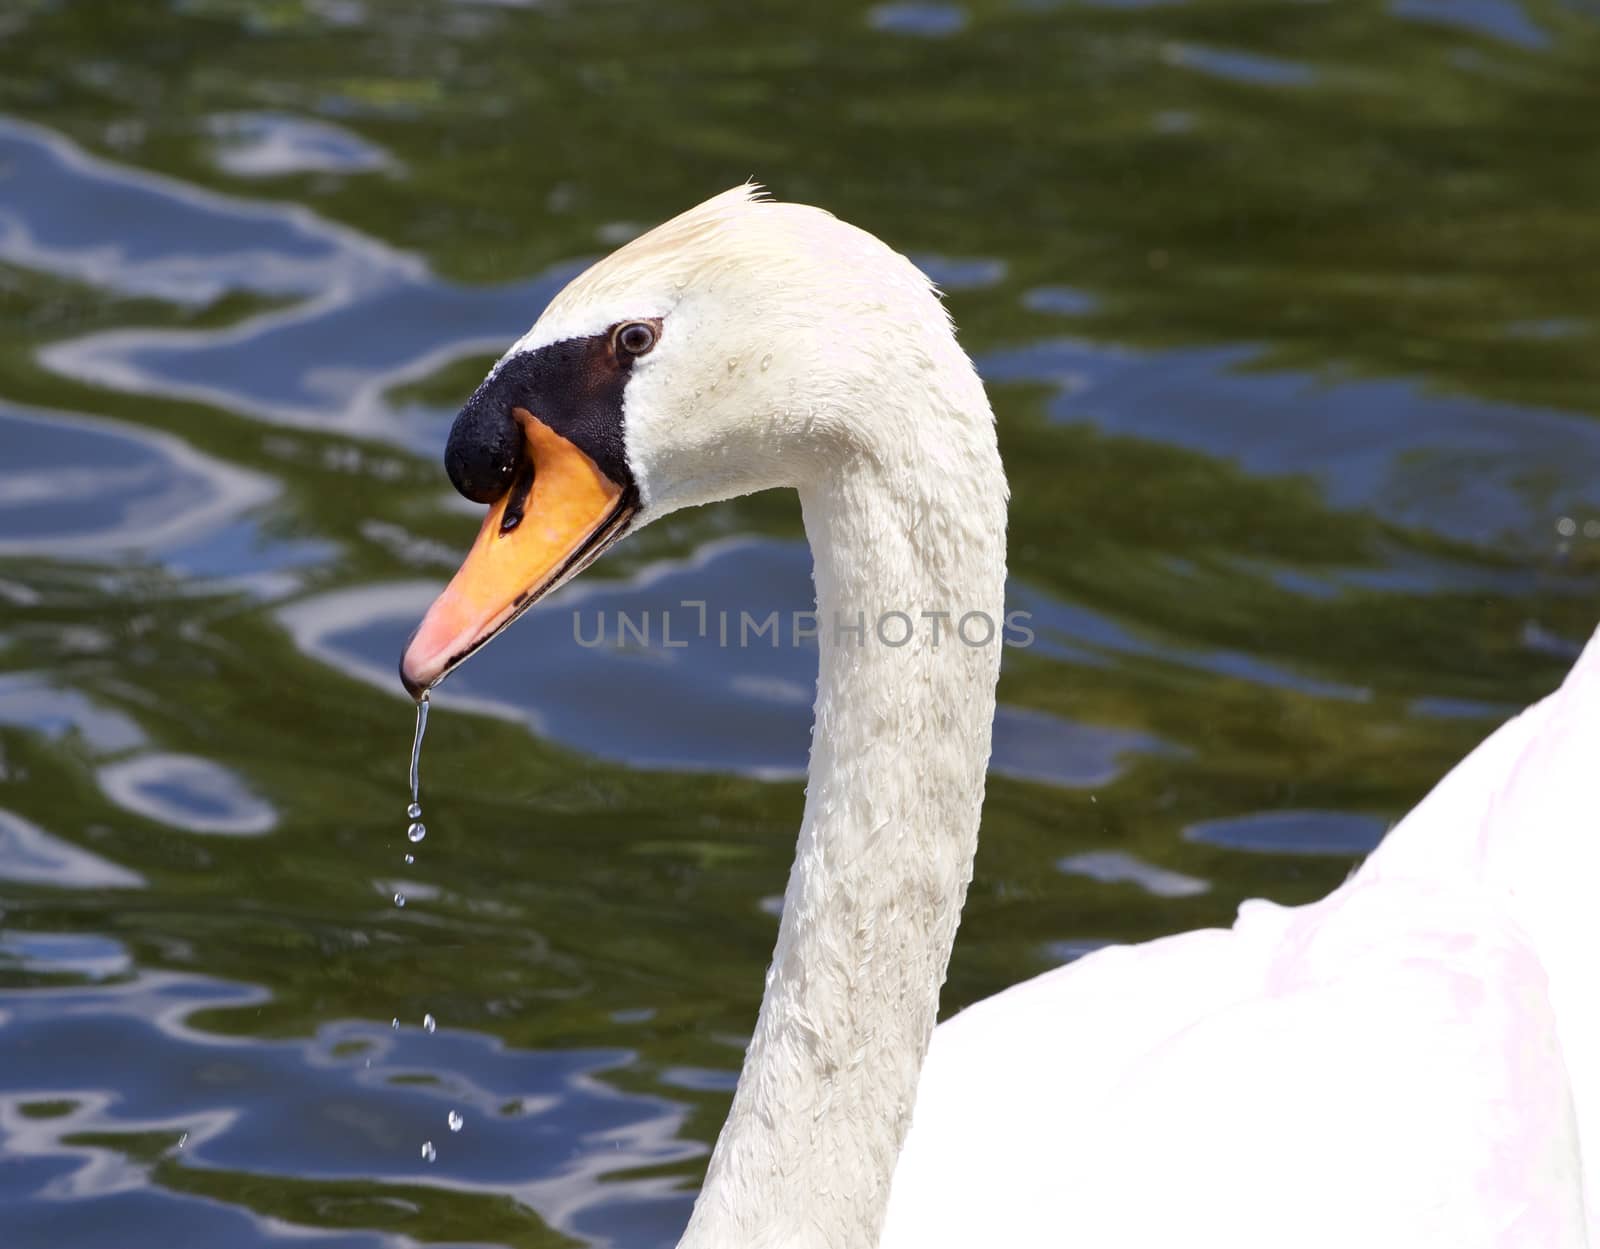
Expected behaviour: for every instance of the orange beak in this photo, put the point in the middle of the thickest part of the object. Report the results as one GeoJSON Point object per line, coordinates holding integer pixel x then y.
{"type": "Point", "coordinates": [559, 514]}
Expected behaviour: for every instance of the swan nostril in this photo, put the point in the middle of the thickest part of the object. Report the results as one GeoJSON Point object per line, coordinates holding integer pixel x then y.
{"type": "Point", "coordinates": [483, 451]}
{"type": "Point", "coordinates": [521, 486]}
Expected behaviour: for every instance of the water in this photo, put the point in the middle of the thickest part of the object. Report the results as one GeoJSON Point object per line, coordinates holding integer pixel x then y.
{"type": "Point", "coordinates": [1300, 420]}
{"type": "Point", "coordinates": [416, 831]}
{"type": "Point", "coordinates": [414, 811]}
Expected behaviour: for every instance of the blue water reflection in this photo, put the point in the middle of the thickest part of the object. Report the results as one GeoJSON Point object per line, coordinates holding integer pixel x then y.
{"type": "Point", "coordinates": [346, 1097]}
{"type": "Point", "coordinates": [187, 792]}
{"type": "Point", "coordinates": [121, 229]}
{"type": "Point", "coordinates": [1499, 19]}
{"type": "Point", "coordinates": [74, 486]}
{"type": "Point", "coordinates": [364, 319]}
{"type": "Point", "coordinates": [270, 145]}
{"type": "Point", "coordinates": [927, 20]}
{"type": "Point", "coordinates": [1458, 466]}
{"type": "Point", "coordinates": [1292, 832]}
{"type": "Point", "coordinates": [31, 856]}
{"type": "Point", "coordinates": [750, 691]}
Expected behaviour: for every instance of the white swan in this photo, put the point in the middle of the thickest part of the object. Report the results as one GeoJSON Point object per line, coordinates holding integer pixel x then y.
{"type": "Point", "coordinates": [1410, 1062]}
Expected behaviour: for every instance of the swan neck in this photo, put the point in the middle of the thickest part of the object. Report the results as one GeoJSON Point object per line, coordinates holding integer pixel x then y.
{"type": "Point", "coordinates": [885, 850]}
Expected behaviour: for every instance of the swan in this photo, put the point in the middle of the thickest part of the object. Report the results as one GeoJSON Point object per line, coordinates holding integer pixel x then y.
{"type": "Point", "coordinates": [1412, 1061]}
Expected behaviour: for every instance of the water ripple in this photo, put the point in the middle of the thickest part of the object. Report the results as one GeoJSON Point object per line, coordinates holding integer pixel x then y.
{"type": "Point", "coordinates": [119, 228]}
{"type": "Point", "coordinates": [270, 145]}
{"type": "Point", "coordinates": [187, 792]}
{"type": "Point", "coordinates": [753, 699]}
{"type": "Point", "coordinates": [1292, 832]}
{"type": "Point", "coordinates": [71, 485]}
{"type": "Point", "coordinates": [80, 1131]}
{"type": "Point", "coordinates": [32, 856]}
{"type": "Point", "coordinates": [366, 318]}
{"type": "Point", "coordinates": [1479, 472]}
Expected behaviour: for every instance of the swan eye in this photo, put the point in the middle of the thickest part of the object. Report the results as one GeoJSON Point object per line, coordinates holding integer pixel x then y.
{"type": "Point", "coordinates": [636, 338]}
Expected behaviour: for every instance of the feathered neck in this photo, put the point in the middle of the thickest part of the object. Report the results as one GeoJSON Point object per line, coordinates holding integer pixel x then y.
{"type": "Point", "coordinates": [907, 536]}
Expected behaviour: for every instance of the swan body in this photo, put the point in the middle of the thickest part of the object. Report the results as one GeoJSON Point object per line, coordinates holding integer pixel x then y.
{"type": "Point", "coordinates": [1409, 1062]}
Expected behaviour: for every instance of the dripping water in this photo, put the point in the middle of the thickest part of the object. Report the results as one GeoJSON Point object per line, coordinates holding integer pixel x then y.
{"type": "Point", "coordinates": [415, 832]}
{"type": "Point", "coordinates": [416, 757]}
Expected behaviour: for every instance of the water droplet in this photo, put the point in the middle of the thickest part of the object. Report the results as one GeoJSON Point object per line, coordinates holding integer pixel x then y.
{"type": "Point", "coordinates": [429, 1023]}
{"type": "Point", "coordinates": [411, 858]}
{"type": "Point", "coordinates": [417, 832]}
{"type": "Point", "coordinates": [399, 898]}
{"type": "Point", "coordinates": [455, 1120]}
{"type": "Point", "coordinates": [429, 1153]}
{"type": "Point", "coordinates": [1566, 526]}
{"type": "Point", "coordinates": [414, 811]}
{"type": "Point", "coordinates": [766, 362]}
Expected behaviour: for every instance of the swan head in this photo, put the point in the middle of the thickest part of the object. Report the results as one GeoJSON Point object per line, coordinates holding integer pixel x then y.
{"type": "Point", "coordinates": [743, 345]}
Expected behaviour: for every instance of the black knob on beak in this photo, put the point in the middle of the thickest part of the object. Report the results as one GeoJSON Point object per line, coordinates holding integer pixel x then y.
{"type": "Point", "coordinates": [483, 451]}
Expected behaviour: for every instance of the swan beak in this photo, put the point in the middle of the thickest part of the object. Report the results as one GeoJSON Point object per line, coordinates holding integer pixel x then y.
{"type": "Point", "coordinates": [559, 514]}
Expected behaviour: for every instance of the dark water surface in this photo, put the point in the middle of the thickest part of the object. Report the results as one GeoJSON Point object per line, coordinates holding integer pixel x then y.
{"type": "Point", "coordinates": [1288, 313]}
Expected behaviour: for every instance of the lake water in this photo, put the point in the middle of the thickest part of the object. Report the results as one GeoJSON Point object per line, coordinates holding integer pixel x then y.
{"type": "Point", "coordinates": [1288, 314]}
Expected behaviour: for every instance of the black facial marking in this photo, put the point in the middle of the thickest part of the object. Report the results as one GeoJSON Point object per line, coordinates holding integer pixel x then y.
{"type": "Point", "coordinates": [574, 386]}
{"type": "Point", "coordinates": [482, 452]}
